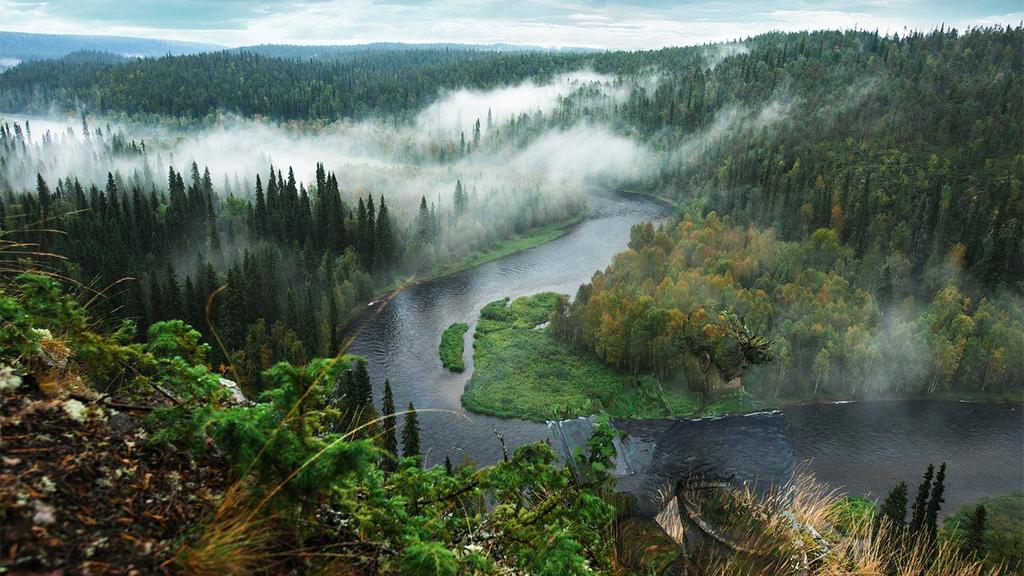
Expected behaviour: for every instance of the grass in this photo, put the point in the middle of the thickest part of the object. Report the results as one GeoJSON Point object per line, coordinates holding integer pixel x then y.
{"type": "Point", "coordinates": [521, 371]}
{"type": "Point", "coordinates": [853, 513]}
{"type": "Point", "coordinates": [452, 346]}
{"type": "Point", "coordinates": [1004, 534]}
{"type": "Point", "coordinates": [531, 239]}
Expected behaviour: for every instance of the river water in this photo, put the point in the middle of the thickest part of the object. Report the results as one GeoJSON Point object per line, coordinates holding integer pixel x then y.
{"type": "Point", "coordinates": [865, 447]}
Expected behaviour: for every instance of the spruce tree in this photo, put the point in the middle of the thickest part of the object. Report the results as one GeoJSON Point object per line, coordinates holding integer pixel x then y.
{"type": "Point", "coordinates": [974, 544]}
{"type": "Point", "coordinates": [411, 434]}
{"type": "Point", "coordinates": [894, 510]}
{"type": "Point", "coordinates": [43, 193]}
{"type": "Point", "coordinates": [363, 392]}
{"type": "Point", "coordinates": [388, 410]}
{"type": "Point", "coordinates": [370, 239]}
{"type": "Point", "coordinates": [384, 239]}
{"type": "Point", "coordinates": [156, 303]}
{"type": "Point", "coordinates": [460, 198]}
{"type": "Point", "coordinates": [447, 465]}
{"type": "Point", "coordinates": [921, 501]}
{"type": "Point", "coordinates": [931, 516]}
{"type": "Point", "coordinates": [424, 225]}
{"type": "Point", "coordinates": [261, 210]}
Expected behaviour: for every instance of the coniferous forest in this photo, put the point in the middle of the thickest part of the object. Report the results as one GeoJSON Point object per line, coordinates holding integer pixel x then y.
{"type": "Point", "coordinates": [192, 246]}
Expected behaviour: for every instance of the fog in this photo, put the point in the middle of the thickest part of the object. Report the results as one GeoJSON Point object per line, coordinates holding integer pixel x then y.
{"type": "Point", "coordinates": [515, 179]}
{"type": "Point", "coordinates": [716, 53]}
{"type": "Point", "coordinates": [457, 112]}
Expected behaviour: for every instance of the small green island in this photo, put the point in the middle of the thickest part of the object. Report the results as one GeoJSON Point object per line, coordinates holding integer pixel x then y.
{"type": "Point", "coordinates": [452, 346]}
{"type": "Point", "coordinates": [521, 370]}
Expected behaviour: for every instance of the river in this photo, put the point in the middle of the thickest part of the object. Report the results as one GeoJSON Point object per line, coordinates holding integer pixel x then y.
{"type": "Point", "coordinates": [864, 447]}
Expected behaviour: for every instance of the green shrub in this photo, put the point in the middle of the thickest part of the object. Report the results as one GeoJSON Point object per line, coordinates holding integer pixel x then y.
{"type": "Point", "coordinates": [452, 347]}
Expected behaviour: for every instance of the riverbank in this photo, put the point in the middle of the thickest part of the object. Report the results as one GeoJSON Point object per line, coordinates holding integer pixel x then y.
{"type": "Point", "coordinates": [531, 239]}
{"type": "Point", "coordinates": [521, 371]}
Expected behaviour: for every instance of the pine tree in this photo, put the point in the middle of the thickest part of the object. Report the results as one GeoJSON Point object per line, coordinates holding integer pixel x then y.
{"type": "Point", "coordinates": [893, 513]}
{"type": "Point", "coordinates": [424, 226]}
{"type": "Point", "coordinates": [921, 501]}
{"type": "Point", "coordinates": [360, 238]}
{"type": "Point", "coordinates": [894, 510]}
{"type": "Point", "coordinates": [460, 199]}
{"type": "Point", "coordinates": [388, 410]}
{"type": "Point", "coordinates": [370, 238]}
{"type": "Point", "coordinates": [411, 434]}
{"type": "Point", "coordinates": [384, 239]}
{"type": "Point", "coordinates": [43, 193]}
{"type": "Point", "coordinates": [172, 301]}
{"type": "Point", "coordinates": [363, 392]}
{"type": "Point", "coordinates": [447, 465]}
{"type": "Point", "coordinates": [977, 520]}
{"type": "Point", "coordinates": [156, 303]}
{"type": "Point", "coordinates": [261, 209]}
{"type": "Point", "coordinates": [931, 516]}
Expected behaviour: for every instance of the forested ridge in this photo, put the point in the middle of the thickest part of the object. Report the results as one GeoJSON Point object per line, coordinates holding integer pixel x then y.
{"type": "Point", "coordinates": [371, 82]}
{"type": "Point", "coordinates": [905, 145]}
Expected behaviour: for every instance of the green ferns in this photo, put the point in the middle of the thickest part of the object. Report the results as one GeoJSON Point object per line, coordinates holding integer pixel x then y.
{"type": "Point", "coordinates": [452, 346]}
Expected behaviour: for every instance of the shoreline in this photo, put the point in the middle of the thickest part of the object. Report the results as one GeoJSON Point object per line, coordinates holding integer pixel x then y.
{"type": "Point", "coordinates": [514, 245]}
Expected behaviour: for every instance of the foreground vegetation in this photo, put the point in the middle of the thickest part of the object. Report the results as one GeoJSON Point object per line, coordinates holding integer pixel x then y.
{"type": "Point", "coordinates": [1003, 538]}
{"type": "Point", "coordinates": [452, 346]}
{"type": "Point", "coordinates": [314, 482]}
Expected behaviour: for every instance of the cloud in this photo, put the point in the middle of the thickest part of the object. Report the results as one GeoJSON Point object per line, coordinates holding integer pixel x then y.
{"type": "Point", "coordinates": [603, 24]}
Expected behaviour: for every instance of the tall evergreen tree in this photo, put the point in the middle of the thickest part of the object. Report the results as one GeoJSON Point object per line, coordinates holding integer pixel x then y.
{"type": "Point", "coordinates": [411, 433]}
{"type": "Point", "coordinates": [389, 421]}
{"type": "Point", "coordinates": [424, 224]}
{"type": "Point", "coordinates": [172, 299]}
{"type": "Point", "coordinates": [977, 521]}
{"type": "Point", "coordinates": [459, 199]}
{"type": "Point", "coordinates": [43, 193]}
{"type": "Point", "coordinates": [370, 239]}
{"type": "Point", "coordinates": [931, 516]}
{"type": "Point", "coordinates": [384, 239]}
{"type": "Point", "coordinates": [921, 501]}
{"type": "Point", "coordinates": [894, 510]}
{"type": "Point", "coordinates": [261, 216]}
{"type": "Point", "coordinates": [363, 392]}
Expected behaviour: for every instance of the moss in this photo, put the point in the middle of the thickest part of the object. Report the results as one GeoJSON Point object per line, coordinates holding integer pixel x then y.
{"type": "Point", "coordinates": [452, 346]}
{"type": "Point", "coordinates": [853, 513]}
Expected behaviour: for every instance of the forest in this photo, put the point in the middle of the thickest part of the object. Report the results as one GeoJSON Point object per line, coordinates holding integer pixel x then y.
{"type": "Point", "coordinates": [845, 222]}
{"type": "Point", "coordinates": [716, 290]}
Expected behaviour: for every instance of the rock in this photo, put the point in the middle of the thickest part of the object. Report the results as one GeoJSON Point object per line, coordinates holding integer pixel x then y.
{"type": "Point", "coordinates": [236, 393]}
{"type": "Point", "coordinates": [44, 514]}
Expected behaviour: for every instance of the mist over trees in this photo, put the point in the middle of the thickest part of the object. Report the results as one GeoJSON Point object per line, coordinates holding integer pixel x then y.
{"type": "Point", "coordinates": [882, 176]}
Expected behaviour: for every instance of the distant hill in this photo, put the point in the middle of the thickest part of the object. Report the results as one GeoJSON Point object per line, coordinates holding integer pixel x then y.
{"type": "Point", "coordinates": [341, 52]}
{"type": "Point", "coordinates": [18, 46]}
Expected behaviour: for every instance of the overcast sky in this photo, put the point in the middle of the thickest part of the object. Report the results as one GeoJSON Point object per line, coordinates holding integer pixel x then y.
{"type": "Point", "coordinates": [600, 24]}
